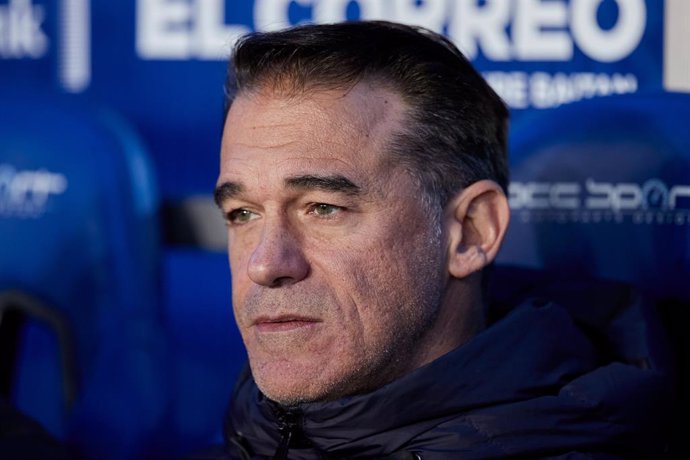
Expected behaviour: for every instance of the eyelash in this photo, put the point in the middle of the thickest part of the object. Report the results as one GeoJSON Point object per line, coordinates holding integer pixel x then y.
{"type": "Point", "coordinates": [312, 209]}
{"type": "Point", "coordinates": [233, 217]}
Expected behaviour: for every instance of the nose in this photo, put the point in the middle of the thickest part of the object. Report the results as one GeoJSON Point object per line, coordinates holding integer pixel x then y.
{"type": "Point", "coordinates": [277, 260]}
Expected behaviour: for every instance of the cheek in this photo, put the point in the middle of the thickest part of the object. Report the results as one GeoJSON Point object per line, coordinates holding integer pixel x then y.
{"type": "Point", "coordinates": [238, 257]}
{"type": "Point", "coordinates": [240, 245]}
{"type": "Point", "coordinates": [370, 283]}
{"type": "Point", "coordinates": [395, 277]}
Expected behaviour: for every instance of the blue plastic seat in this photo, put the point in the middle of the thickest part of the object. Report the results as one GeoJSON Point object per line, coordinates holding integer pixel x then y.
{"type": "Point", "coordinates": [79, 257]}
{"type": "Point", "coordinates": [204, 343]}
{"type": "Point", "coordinates": [601, 190]}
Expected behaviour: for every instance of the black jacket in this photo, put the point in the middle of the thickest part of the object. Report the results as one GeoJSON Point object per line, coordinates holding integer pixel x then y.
{"type": "Point", "coordinates": [533, 385]}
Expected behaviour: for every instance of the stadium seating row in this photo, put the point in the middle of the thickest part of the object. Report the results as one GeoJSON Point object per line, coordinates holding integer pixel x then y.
{"type": "Point", "coordinates": [116, 329]}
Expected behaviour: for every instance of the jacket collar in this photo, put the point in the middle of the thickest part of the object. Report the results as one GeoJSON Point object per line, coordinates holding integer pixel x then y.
{"type": "Point", "coordinates": [483, 372]}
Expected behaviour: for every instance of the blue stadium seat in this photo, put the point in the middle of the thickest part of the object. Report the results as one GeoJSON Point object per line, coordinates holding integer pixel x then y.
{"type": "Point", "coordinates": [79, 269]}
{"type": "Point", "coordinates": [601, 190]}
{"type": "Point", "coordinates": [603, 187]}
{"type": "Point", "coordinates": [203, 340]}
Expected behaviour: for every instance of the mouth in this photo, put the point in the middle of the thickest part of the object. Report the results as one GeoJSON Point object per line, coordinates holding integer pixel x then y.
{"type": "Point", "coordinates": [283, 323]}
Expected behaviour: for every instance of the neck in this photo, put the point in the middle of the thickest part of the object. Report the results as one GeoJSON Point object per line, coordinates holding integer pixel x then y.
{"type": "Point", "coordinates": [460, 318]}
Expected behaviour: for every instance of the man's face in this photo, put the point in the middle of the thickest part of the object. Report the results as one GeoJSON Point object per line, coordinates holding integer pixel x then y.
{"type": "Point", "coordinates": [337, 267]}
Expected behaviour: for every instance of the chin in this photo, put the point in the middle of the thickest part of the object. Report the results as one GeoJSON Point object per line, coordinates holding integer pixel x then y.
{"type": "Point", "coordinates": [289, 394]}
{"type": "Point", "coordinates": [286, 383]}
{"type": "Point", "coordinates": [290, 385]}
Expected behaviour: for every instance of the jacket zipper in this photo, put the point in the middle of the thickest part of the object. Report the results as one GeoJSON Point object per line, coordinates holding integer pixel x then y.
{"type": "Point", "coordinates": [288, 426]}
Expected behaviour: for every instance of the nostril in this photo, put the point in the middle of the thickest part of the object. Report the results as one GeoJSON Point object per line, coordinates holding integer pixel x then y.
{"type": "Point", "coordinates": [282, 281]}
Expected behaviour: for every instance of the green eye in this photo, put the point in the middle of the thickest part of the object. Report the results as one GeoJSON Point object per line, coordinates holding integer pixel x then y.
{"type": "Point", "coordinates": [325, 210]}
{"type": "Point", "coordinates": [240, 216]}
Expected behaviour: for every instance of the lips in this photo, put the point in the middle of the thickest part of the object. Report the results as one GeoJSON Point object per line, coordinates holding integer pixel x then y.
{"type": "Point", "coordinates": [283, 323]}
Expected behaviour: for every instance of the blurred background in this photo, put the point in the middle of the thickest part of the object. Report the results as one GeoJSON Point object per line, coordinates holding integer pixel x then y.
{"type": "Point", "coordinates": [116, 330]}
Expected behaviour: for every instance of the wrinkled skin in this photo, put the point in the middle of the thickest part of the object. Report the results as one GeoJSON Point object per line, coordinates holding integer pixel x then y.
{"type": "Point", "coordinates": [339, 272]}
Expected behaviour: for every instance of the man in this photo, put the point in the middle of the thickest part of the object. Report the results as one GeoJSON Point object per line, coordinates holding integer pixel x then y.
{"type": "Point", "coordinates": [363, 180]}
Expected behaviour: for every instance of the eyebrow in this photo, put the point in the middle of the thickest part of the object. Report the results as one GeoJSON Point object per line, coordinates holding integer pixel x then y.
{"type": "Point", "coordinates": [334, 183]}
{"type": "Point", "coordinates": [225, 191]}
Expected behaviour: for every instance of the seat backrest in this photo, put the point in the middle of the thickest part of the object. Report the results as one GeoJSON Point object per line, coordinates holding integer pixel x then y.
{"type": "Point", "coordinates": [601, 189]}
{"type": "Point", "coordinates": [78, 226]}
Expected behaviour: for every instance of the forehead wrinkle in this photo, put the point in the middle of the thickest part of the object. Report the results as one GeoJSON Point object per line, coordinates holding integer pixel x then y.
{"type": "Point", "coordinates": [354, 128]}
{"type": "Point", "coordinates": [262, 137]}
{"type": "Point", "coordinates": [267, 145]}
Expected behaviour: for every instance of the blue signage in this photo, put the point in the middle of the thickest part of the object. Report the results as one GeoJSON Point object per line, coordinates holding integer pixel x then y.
{"type": "Point", "coordinates": [161, 63]}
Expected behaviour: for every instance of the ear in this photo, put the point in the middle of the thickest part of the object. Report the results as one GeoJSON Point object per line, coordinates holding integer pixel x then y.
{"type": "Point", "coordinates": [476, 222]}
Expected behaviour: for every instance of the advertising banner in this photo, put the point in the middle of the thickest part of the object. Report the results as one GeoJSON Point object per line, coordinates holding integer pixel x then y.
{"type": "Point", "coordinates": [162, 63]}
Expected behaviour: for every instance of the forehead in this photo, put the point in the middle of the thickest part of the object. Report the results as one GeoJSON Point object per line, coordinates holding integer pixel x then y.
{"type": "Point", "coordinates": [268, 135]}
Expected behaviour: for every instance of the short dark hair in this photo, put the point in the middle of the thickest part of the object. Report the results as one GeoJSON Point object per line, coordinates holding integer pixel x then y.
{"type": "Point", "coordinates": [458, 126]}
